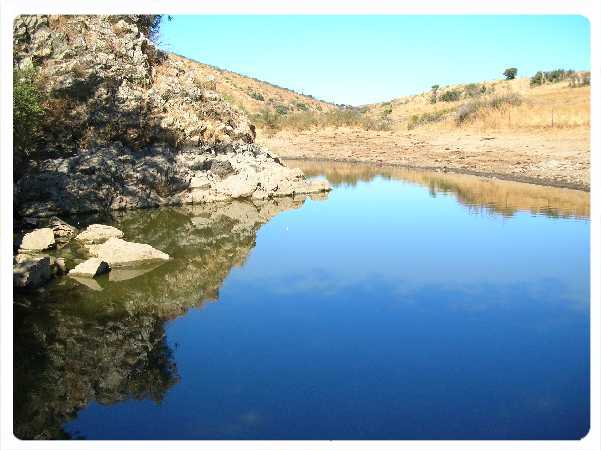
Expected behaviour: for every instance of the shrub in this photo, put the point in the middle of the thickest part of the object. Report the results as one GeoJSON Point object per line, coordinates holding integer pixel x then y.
{"type": "Point", "coordinates": [257, 96]}
{"type": "Point", "coordinates": [302, 106]}
{"type": "Point", "coordinates": [426, 118]}
{"type": "Point", "coordinates": [510, 73]}
{"type": "Point", "coordinates": [467, 111]}
{"type": "Point", "coordinates": [28, 112]}
{"type": "Point", "coordinates": [552, 76]}
{"type": "Point", "coordinates": [281, 109]}
{"type": "Point", "coordinates": [474, 90]}
{"type": "Point", "coordinates": [451, 96]}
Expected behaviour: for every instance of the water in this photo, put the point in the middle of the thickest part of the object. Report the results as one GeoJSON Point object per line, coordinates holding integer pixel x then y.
{"type": "Point", "coordinates": [402, 305]}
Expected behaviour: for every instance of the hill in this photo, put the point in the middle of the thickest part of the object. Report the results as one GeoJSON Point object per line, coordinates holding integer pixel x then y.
{"type": "Point", "coordinates": [254, 96]}
{"type": "Point", "coordinates": [503, 128]}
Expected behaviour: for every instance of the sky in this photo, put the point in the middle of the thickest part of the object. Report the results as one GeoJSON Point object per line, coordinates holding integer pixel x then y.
{"type": "Point", "coordinates": [365, 59]}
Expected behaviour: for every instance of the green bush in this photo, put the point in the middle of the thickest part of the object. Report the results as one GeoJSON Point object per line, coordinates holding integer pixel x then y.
{"type": "Point", "coordinates": [417, 120]}
{"type": "Point", "coordinates": [450, 96]}
{"type": "Point", "coordinates": [281, 109]}
{"type": "Point", "coordinates": [28, 112]}
{"type": "Point", "coordinates": [510, 73]}
{"type": "Point", "coordinates": [257, 96]}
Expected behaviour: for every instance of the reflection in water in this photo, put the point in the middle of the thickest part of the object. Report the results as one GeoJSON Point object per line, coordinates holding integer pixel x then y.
{"type": "Point", "coordinates": [477, 193]}
{"type": "Point", "coordinates": [387, 311]}
{"type": "Point", "coordinates": [103, 340]}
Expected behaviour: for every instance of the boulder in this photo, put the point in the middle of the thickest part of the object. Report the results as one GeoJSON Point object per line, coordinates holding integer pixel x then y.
{"type": "Point", "coordinates": [63, 232]}
{"type": "Point", "coordinates": [32, 272]}
{"type": "Point", "coordinates": [221, 168]}
{"type": "Point", "coordinates": [90, 268]}
{"type": "Point", "coordinates": [38, 240]}
{"type": "Point", "coordinates": [116, 251]}
{"type": "Point", "coordinates": [97, 233]}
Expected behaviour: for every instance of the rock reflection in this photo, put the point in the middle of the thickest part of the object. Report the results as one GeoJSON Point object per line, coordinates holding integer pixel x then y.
{"type": "Point", "coordinates": [105, 342]}
{"type": "Point", "coordinates": [477, 193]}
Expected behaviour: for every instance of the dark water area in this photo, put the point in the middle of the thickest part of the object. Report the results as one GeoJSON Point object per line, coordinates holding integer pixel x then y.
{"type": "Point", "coordinates": [401, 305]}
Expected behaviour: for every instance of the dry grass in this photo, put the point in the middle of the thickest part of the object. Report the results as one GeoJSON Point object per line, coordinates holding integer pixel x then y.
{"type": "Point", "coordinates": [542, 108]}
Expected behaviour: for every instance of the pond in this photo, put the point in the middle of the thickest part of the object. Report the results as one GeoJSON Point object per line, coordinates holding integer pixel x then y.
{"type": "Point", "coordinates": [401, 305]}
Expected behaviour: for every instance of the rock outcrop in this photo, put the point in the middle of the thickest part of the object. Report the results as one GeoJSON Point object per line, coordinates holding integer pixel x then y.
{"type": "Point", "coordinates": [130, 126]}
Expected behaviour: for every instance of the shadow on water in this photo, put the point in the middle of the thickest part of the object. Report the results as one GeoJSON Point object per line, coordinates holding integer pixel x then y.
{"type": "Point", "coordinates": [476, 193]}
{"type": "Point", "coordinates": [83, 340]}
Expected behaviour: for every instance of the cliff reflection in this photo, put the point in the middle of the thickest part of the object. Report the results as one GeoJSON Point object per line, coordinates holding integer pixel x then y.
{"type": "Point", "coordinates": [104, 341]}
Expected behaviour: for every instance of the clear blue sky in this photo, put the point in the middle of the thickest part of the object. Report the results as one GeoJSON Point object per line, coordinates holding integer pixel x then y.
{"type": "Point", "coordinates": [364, 59]}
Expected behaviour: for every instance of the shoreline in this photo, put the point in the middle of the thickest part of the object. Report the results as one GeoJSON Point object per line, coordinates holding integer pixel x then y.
{"type": "Point", "coordinates": [548, 182]}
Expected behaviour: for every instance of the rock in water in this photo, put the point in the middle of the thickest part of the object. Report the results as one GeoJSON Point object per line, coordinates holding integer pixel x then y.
{"type": "Point", "coordinates": [119, 252]}
{"type": "Point", "coordinates": [63, 232]}
{"type": "Point", "coordinates": [97, 233]}
{"type": "Point", "coordinates": [90, 268]}
{"type": "Point", "coordinates": [38, 240]}
{"type": "Point", "coordinates": [32, 272]}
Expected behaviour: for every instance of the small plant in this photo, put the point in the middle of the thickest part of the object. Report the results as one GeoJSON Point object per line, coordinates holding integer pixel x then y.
{"type": "Point", "coordinates": [281, 109]}
{"type": "Point", "coordinates": [257, 96]}
{"type": "Point", "coordinates": [510, 73]}
{"type": "Point", "coordinates": [452, 95]}
{"type": "Point", "coordinates": [417, 120]}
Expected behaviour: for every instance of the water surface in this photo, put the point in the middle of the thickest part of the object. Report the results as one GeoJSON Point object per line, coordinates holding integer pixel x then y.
{"type": "Point", "coordinates": [402, 305]}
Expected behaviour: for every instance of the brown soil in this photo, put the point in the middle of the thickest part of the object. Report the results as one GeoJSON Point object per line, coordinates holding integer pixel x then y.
{"type": "Point", "coordinates": [559, 157]}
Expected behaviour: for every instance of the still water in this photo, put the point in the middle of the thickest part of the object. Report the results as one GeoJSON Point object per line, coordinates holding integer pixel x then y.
{"type": "Point", "coordinates": [401, 305]}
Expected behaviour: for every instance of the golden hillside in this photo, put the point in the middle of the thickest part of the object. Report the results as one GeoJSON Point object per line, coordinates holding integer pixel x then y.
{"type": "Point", "coordinates": [499, 105]}
{"type": "Point", "coordinates": [255, 96]}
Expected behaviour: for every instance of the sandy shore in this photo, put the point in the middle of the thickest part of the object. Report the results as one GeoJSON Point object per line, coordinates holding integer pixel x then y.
{"type": "Point", "coordinates": [553, 157]}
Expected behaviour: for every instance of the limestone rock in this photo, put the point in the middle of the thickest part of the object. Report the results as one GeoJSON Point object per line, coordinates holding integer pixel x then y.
{"type": "Point", "coordinates": [90, 268]}
{"type": "Point", "coordinates": [32, 272]}
{"type": "Point", "coordinates": [142, 131]}
{"type": "Point", "coordinates": [119, 252]}
{"type": "Point", "coordinates": [38, 240]}
{"type": "Point", "coordinates": [98, 233]}
{"type": "Point", "coordinates": [63, 232]}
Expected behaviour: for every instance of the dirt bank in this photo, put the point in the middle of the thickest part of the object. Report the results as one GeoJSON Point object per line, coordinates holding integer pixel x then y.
{"type": "Point", "coordinates": [559, 157]}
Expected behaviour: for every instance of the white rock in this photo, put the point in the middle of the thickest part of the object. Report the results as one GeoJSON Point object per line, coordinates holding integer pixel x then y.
{"type": "Point", "coordinates": [37, 240]}
{"type": "Point", "coordinates": [90, 268]}
{"type": "Point", "coordinates": [119, 252]}
{"type": "Point", "coordinates": [97, 233]}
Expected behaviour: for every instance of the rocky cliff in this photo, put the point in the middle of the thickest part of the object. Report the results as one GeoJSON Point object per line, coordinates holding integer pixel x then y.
{"type": "Point", "coordinates": [127, 125]}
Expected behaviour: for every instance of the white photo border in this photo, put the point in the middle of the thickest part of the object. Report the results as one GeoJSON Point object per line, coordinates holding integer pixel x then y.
{"type": "Point", "coordinates": [590, 9]}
